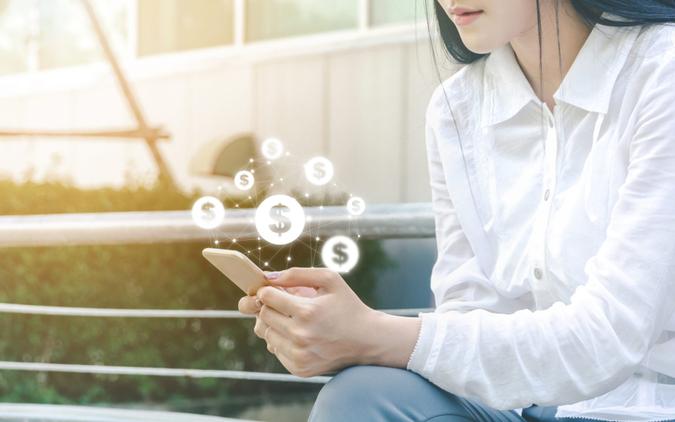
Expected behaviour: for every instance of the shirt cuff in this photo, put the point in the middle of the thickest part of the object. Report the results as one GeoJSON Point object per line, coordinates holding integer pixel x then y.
{"type": "Point", "coordinates": [425, 339]}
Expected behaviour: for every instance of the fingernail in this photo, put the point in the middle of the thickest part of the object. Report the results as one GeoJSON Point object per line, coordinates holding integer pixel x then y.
{"type": "Point", "coordinates": [272, 275]}
{"type": "Point", "coordinates": [258, 303]}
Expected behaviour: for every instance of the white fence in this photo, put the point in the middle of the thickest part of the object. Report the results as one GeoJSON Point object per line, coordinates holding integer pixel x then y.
{"type": "Point", "coordinates": [379, 221]}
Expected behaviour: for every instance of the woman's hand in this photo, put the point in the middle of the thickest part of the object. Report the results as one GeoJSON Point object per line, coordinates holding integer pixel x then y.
{"type": "Point", "coordinates": [251, 305]}
{"type": "Point", "coordinates": [313, 335]}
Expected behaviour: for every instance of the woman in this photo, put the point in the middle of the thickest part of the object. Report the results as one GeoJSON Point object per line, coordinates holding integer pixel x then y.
{"type": "Point", "coordinates": [552, 166]}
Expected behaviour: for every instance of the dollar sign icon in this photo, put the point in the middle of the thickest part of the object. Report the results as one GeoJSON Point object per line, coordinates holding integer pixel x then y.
{"type": "Point", "coordinates": [207, 211]}
{"type": "Point", "coordinates": [272, 148]}
{"type": "Point", "coordinates": [356, 205]}
{"type": "Point", "coordinates": [339, 254]}
{"type": "Point", "coordinates": [279, 219]}
{"type": "Point", "coordinates": [281, 222]}
{"type": "Point", "coordinates": [319, 170]}
{"type": "Point", "coordinates": [244, 180]}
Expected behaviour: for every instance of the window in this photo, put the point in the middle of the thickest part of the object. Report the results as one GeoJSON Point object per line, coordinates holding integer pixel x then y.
{"type": "Point", "coordinates": [267, 19]}
{"type": "Point", "coordinates": [14, 37]}
{"type": "Point", "coordinates": [175, 25]}
{"type": "Point", "coordinates": [396, 11]}
{"type": "Point", "coordinates": [47, 34]}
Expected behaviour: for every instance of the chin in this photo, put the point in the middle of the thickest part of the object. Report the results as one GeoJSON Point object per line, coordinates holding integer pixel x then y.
{"type": "Point", "coordinates": [479, 49]}
{"type": "Point", "coordinates": [478, 46]}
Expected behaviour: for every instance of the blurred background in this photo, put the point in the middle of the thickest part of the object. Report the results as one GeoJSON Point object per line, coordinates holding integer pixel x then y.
{"type": "Point", "coordinates": [145, 105]}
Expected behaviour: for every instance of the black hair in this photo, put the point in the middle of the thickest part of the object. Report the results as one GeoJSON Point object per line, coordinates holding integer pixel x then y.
{"type": "Point", "coordinates": [630, 12]}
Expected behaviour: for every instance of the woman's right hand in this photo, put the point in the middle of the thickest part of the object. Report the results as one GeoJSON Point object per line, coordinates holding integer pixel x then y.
{"type": "Point", "coordinates": [247, 304]}
{"type": "Point", "coordinates": [250, 305]}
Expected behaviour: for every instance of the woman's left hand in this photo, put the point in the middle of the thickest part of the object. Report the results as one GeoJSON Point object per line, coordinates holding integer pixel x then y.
{"type": "Point", "coordinates": [315, 335]}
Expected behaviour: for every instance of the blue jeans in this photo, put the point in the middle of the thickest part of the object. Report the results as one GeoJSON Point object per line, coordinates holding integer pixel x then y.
{"type": "Point", "coordinates": [382, 394]}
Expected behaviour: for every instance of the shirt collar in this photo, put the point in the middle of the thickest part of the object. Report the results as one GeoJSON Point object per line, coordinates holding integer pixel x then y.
{"type": "Point", "coordinates": [506, 89]}
{"type": "Point", "coordinates": [588, 84]}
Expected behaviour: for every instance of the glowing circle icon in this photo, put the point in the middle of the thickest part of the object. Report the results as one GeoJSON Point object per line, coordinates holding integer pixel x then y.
{"type": "Point", "coordinates": [279, 219]}
{"type": "Point", "coordinates": [272, 148]}
{"type": "Point", "coordinates": [356, 205]}
{"type": "Point", "coordinates": [244, 180]}
{"type": "Point", "coordinates": [340, 254]}
{"type": "Point", "coordinates": [319, 171]}
{"type": "Point", "coordinates": [208, 212]}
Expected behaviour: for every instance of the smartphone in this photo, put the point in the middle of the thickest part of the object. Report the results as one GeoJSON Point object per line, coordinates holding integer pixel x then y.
{"type": "Point", "coordinates": [238, 268]}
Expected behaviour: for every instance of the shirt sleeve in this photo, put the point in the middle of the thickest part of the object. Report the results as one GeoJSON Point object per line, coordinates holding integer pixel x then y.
{"type": "Point", "coordinates": [576, 351]}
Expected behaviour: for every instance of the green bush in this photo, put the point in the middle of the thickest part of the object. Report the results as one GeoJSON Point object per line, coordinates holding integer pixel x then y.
{"type": "Point", "coordinates": [166, 276]}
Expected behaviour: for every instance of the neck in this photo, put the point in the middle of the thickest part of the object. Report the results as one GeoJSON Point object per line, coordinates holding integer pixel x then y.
{"type": "Point", "coordinates": [555, 61]}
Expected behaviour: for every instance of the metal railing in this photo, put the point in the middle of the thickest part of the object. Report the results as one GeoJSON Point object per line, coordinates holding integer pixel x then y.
{"type": "Point", "coordinates": [414, 220]}
{"type": "Point", "coordinates": [34, 412]}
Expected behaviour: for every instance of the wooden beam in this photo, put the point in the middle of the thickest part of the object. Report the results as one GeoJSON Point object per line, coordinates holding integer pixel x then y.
{"type": "Point", "coordinates": [150, 140]}
{"type": "Point", "coordinates": [130, 134]}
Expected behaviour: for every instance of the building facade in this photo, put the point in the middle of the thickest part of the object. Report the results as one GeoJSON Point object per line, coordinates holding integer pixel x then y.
{"type": "Point", "coordinates": [347, 80]}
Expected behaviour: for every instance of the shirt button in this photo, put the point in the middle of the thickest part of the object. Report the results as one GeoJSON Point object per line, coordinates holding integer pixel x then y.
{"type": "Point", "coordinates": [547, 194]}
{"type": "Point", "coordinates": [538, 273]}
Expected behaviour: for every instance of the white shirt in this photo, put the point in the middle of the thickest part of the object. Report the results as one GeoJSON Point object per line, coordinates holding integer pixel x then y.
{"type": "Point", "coordinates": [557, 286]}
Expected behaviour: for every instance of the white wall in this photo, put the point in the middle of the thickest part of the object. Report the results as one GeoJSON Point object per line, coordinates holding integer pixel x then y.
{"type": "Point", "coordinates": [359, 101]}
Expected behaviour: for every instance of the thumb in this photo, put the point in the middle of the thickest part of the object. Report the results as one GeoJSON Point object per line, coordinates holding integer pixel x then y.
{"type": "Point", "coordinates": [319, 278]}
